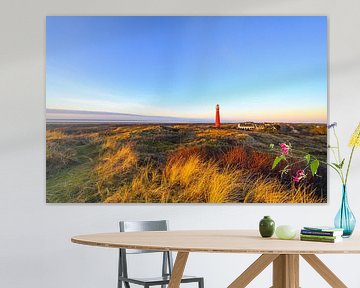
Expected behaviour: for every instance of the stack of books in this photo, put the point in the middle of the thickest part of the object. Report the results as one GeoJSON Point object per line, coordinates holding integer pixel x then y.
{"type": "Point", "coordinates": [321, 234]}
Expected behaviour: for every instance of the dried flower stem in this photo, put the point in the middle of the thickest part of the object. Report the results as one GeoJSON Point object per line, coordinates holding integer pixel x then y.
{"type": "Point", "coordinates": [340, 171]}
{"type": "Point", "coordinates": [357, 138]}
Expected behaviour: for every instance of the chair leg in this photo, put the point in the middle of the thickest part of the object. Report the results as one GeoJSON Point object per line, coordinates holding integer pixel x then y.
{"type": "Point", "coordinates": [120, 272]}
{"type": "Point", "coordinates": [164, 266]}
{"type": "Point", "coordinates": [201, 283]}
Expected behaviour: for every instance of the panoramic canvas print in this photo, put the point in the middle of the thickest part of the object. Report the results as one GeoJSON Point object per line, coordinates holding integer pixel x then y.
{"type": "Point", "coordinates": [186, 109]}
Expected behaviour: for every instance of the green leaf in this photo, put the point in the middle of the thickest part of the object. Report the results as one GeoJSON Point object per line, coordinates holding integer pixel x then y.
{"type": "Point", "coordinates": [276, 162]}
{"type": "Point", "coordinates": [336, 165]}
{"type": "Point", "coordinates": [307, 157]}
{"type": "Point", "coordinates": [271, 146]}
{"type": "Point", "coordinates": [314, 166]}
{"type": "Point", "coordinates": [342, 163]}
{"type": "Point", "coordinates": [339, 166]}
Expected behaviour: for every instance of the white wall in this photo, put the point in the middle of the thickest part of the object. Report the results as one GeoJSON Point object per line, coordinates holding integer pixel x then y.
{"type": "Point", "coordinates": [35, 248]}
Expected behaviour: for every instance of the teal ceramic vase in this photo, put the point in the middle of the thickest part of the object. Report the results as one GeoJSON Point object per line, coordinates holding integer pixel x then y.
{"type": "Point", "coordinates": [267, 227]}
{"type": "Point", "coordinates": [345, 219]}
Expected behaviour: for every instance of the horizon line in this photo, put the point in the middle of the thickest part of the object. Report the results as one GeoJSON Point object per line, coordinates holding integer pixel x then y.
{"type": "Point", "coordinates": [148, 118]}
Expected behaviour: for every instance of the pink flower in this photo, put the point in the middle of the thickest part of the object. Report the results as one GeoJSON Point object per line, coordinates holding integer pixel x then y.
{"type": "Point", "coordinates": [300, 174]}
{"type": "Point", "coordinates": [284, 148]}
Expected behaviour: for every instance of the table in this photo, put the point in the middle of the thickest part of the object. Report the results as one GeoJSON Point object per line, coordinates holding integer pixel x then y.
{"type": "Point", "coordinates": [284, 254]}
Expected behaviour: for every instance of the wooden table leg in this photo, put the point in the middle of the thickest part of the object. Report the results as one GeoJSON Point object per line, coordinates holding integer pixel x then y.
{"type": "Point", "coordinates": [293, 262]}
{"type": "Point", "coordinates": [324, 271]}
{"type": "Point", "coordinates": [286, 271]}
{"type": "Point", "coordinates": [253, 270]}
{"type": "Point", "coordinates": [178, 269]}
{"type": "Point", "coordinates": [279, 271]}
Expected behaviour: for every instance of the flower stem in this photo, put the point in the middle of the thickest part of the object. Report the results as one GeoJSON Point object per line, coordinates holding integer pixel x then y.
{"type": "Point", "coordinates": [334, 154]}
{"type": "Point", "coordinates": [339, 155]}
{"type": "Point", "coordinates": [338, 145]}
{"type": "Point", "coordinates": [336, 169]}
{"type": "Point", "coordinates": [350, 159]}
{"type": "Point", "coordinates": [348, 167]}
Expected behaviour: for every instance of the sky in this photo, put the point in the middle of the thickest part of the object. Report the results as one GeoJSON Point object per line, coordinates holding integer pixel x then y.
{"type": "Point", "coordinates": [256, 68]}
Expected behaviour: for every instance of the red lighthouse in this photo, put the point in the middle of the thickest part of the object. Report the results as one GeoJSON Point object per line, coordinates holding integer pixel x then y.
{"type": "Point", "coordinates": [217, 116]}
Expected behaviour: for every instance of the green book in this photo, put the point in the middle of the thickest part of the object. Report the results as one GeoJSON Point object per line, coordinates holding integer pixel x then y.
{"type": "Point", "coordinates": [324, 228]}
{"type": "Point", "coordinates": [325, 240]}
{"type": "Point", "coordinates": [319, 236]}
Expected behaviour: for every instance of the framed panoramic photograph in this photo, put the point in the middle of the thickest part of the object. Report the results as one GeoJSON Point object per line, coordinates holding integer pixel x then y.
{"type": "Point", "coordinates": [200, 109]}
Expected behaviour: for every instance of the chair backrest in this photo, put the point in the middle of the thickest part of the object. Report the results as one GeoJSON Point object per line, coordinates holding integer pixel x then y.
{"type": "Point", "coordinates": [138, 226]}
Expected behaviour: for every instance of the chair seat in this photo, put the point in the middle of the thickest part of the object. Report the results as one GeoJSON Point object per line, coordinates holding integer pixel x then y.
{"type": "Point", "coordinates": [158, 280]}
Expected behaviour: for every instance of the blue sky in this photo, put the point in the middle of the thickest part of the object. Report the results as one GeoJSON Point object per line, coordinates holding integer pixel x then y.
{"type": "Point", "coordinates": [256, 68]}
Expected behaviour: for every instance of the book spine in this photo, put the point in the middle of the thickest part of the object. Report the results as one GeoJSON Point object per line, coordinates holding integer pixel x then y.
{"type": "Point", "coordinates": [317, 239]}
{"type": "Point", "coordinates": [318, 236]}
{"type": "Point", "coordinates": [319, 233]}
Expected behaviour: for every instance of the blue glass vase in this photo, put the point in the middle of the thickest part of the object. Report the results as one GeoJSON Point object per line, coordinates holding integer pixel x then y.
{"type": "Point", "coordinates": [345, 219]}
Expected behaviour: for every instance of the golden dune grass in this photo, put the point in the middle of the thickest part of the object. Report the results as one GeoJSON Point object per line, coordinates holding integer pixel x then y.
{"type": "Point", "coordinates": [113, 142]}
{"type": "Point", "coordinates": [55, 135]}
{"type": "Point", "coordinates": [116, 163]}
{"type": "Point", "coordinates": [219, 133]}
{"type": "Point", "coordinates": [271, 190]}
{"type": "Point", "coordinates": [58, 155]}
{"type": "Point", "coordinates": [147, 163]}
{"type": "Point", "coordinates": [191, 178]}
{"type": "Point", "coordinates": [144, 187]}
{"type": "Point", "coordinates": [118, 135]}
{"type": "Point", "coordinates": [201, 181]}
